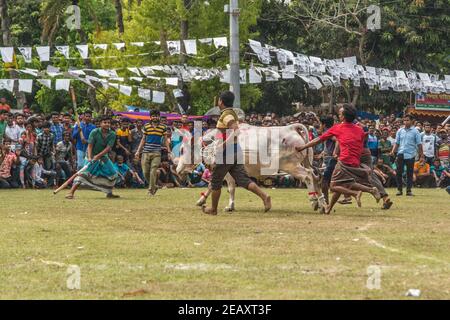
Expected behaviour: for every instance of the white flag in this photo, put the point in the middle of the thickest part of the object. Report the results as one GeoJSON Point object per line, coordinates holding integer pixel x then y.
{"type": "Point", "coordinates": [145, 93]}
{"type": "Point", "coordinates": [220, 42]}
{"type": "Point", "coordinates": [119, 46]}
{"type": "Point", "coordinates": [26, 85]}
{"type": "Point", "coordinates": [190, 46]}
{"type": "Point", "coordinates": [172, 81]}
{"type": "Point", "coordinates": [7, 54]}
{"type": "Point", "coordinates": [134, 70]}
{"type": "Point", "coordinates": [159, 97]}
{"type": "Point", "coordinates": [45, 82]}
{"type": "Point", "coordinates": [84, 50]}
{"type": "Point", "coordinates": [174, 47]}
{"type": "Point", "coordinates": [254, 76]}
{"type": "Point", "coordinates": [126, 90]}
{"type": "Point", "coordinates": [137, 44]}
{"type": "Point", "coordinates": [7, 84]}
{"type": "Point", "coordinates": [64, 50]}
{"type": "Point", "coordinates": [26, 53]}
{"type": "Point", "coordinates": [138, 79]}
{"type": "Point", "coordinates": [101, 46]}
{"type": "Point", "coordinates": [62, 84]}
{"type": "Point", "coordinates": [44, 53]}
{"type": "Point", "coordinates": [208, 41]}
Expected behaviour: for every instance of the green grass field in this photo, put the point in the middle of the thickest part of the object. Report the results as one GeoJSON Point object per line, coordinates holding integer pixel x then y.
{"type": "Point", "coordinates": [138, 247]}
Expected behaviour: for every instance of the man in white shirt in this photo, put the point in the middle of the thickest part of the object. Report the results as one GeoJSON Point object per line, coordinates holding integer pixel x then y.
{"type": "Point", "coordinates": [429, 144]}
{"type": "Point", "coordinates": [13, 131]}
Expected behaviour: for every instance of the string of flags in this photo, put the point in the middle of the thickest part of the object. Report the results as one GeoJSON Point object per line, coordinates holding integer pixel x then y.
{"type": "Point", "coordinates": [45, 53]}
{"type": "Point", "coordinates": [318, 72]}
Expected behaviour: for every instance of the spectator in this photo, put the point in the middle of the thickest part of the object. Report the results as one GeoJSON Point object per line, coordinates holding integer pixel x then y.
{"type": "Point", "coordinates": [56, 128]}
{"type": "Point", "coordinates": [386, 173]}
{"type": "Point", "coordinates": [11, 159]}
{"type": "Point", "coordinates": [372, 143]}
{"type": "Point", "coordinates": [136, 136]}
{"type": "Point", "coordinates": [13, 130]}
{"type": "Point", "coordinates": [45, 146]}
{"type": "Point", "coordinates": [443, 148]}
{"type": "Point", "coordinates": [124, 139]}
{"type": "Point", "coordinates": [429, 144]}
{"type": "Point", "coordinates": [385, 148]}
{"type": "Point", "coordinates": [126, 175]}
{"type": "Point", "coordinates": [4, 106]}
{"type": "Point", "coordinates": [40, 175]}
{"type": "Point", "coordinates": [3, 124]}
{"type": "Point", "coordinates": [437, 170]}
{"type": "Point", "coordinates": [64, 158]}
{"type": "Point", "coordinates": [422, 174]}
{"type": "Point", "coordinates": [81, 137]}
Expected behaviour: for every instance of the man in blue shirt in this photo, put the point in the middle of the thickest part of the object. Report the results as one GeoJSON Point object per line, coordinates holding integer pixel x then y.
{"type": "Point", "coordinates": [82, 136]}
{"type": "Point", "coordinates": [408, 140]}
{"type": "Point", "coordinates": [56, 128]}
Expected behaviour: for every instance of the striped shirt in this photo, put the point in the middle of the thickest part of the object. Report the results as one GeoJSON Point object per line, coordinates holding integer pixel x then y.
{"type": "Point", "coordinates": [154, 136]}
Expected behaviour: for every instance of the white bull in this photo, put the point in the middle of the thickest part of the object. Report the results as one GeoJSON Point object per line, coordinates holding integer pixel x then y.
{"type": "Point", "coordinates": [279, 144]}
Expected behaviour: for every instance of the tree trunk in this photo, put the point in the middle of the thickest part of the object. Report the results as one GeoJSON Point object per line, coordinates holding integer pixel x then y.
{"type": "Point", "coordinates": [184, 30]}
{"type": "Point", "coordinates": [5, 25]}
{"type": "Point", "coordinates": [331, 102]}
{"type": "Point", "coordinates": [119, 16]}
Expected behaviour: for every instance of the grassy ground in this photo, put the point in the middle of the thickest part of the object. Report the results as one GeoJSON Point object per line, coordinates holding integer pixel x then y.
{"type": "Point", "coordinates": [163, 248]}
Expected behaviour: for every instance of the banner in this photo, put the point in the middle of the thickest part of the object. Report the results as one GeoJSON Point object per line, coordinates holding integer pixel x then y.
{"type": "Point", "coordinates": [431, 101]}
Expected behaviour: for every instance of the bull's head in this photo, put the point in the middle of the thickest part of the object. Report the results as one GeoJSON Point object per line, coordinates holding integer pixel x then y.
{"type": "Point", "coordinates": [185, 163]}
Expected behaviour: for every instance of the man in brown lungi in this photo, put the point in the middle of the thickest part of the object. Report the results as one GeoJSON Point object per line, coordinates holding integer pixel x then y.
{"type": "Point", "coordinates": [227, 122]}
{"type": "Point", "coordinates": [350, 177]}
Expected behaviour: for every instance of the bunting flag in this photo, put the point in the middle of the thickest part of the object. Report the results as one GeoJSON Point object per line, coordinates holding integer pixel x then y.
{"type": "Point", "coordinates": [7, 54]}
{"type": "Point", "coordinates": [7, 84]}
{"type": "Point", "coordinates": [26, 85]}
{"type": "Point", "coordinates": [83, 49]}
{"type": "Point", "coordinates": [45, 82]}
{"type": "Point", "coordinates": [26, 53]}
{"type": "Point", "coordinates": [62, 84]}
{"type": "Point", "coordinates": [64, 50]}
{"type": "Point", "coordinates": [44, 53]}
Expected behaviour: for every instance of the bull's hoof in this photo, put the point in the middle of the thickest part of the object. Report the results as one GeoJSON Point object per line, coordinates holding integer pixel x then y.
{"type": "Point", "coordinates": [201, 201]}
{"type": "Point", "coordinates": [322, 210]}
{"type": "Point", "coordinates": [316, 206]}
{"type": "Point", "coordinates": [229, 209]}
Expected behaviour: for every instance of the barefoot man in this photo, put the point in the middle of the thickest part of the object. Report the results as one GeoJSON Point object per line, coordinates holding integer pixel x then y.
{"type": "Point", "coordinates": [227, 122]}
{"type": "Point", "coordinates": [350, 177]}
{"type": "Point", "coordinates": [100, 175]}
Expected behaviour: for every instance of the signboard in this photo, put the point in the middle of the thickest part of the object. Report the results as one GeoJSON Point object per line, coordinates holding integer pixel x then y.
{"type": "Point", "coordinates": [433, 101]}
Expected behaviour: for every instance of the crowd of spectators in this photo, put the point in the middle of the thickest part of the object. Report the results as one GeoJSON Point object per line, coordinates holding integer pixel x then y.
{"type": "Point", "coordinates": [42, 151]}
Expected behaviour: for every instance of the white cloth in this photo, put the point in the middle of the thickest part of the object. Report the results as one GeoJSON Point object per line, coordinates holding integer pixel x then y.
{"type": "Point", "coordinates": [138, 79]}
{"type": "Point", "coordinates": [101, 46]}
{"type": "Point", "coordinates": [26, 85]}
{"type": "Point", "coordinates": [126, 90]}
{"type": "Point", "coordinates": [62, 84]}
{"type": "Point", "coordinates": [134, 70]}
{"type": "Point", "coordinates": [220, 42]}
{"type": "Point", "coordinates": [119, 46]}
{"type": "Point", "coordinates": [7, 84]}
{"type": "Point", "coordinates": [7, 54]}
{"type": "Point", "coordinates": [145, 94]}
{"type": "Point", "coordinates": [45, 82]}
{"type": "Point", "coordinates": [64, 50]}
{"type": "Point", "coordinates": [83, 49]}
{"type": "Point", "coordinates": [137, 44]}
{"type": "Point", "coordinates": [44, 53]}
{"type": "Point", "coordinates": [190, 46]}
{"type": "Point", "coordinates": [14, 132]}
{"type": "Point", "coordinates": [26, 53]}
{"type": "Point", "coordinates": [207, 41]}
{"type": "Point", "coordinates": [178, 93]}
{"type": "Point", "coordinates": [254, 76]}
{"type": "Point", "coordinates": [159, 97]}
{"type": "Point", "coordinates": [172, 81]}
{"type": "Point", "coordinates": [174, 47]}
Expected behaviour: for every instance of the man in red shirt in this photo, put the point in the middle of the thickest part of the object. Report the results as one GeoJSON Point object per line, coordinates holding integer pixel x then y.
{"type": "Point", "coordinates": [350, 177]}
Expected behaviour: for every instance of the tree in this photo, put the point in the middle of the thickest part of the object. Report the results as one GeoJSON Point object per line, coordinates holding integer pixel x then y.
{"type": "Point", "coordinates": [5, 25]}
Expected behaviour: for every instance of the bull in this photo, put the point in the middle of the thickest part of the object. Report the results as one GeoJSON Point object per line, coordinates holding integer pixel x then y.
{"type": "Point", "coordinates": [280, 142]}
